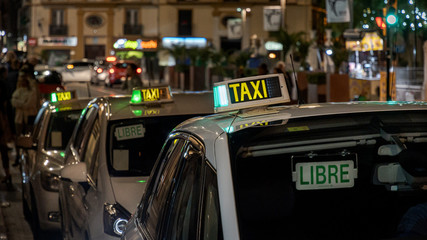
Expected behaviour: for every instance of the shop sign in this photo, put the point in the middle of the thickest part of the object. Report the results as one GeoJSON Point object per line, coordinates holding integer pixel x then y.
{"type": "Point", "coordinates": [273, 46]}
{"type": "Point", "coordinates": [138, 44]}
{"type": "Point", "coordinates": [32, 42]}
{"type": "Point", "coordinates": [337, 11]}
{"type": "Point", "coordinates": [58, 41]}
{"type": "Point", "coordinates": [370, 42]}
{"type": "Point", "coordinates": [272, 18]}
{"type": "Point", "coordinates": [188, 42]}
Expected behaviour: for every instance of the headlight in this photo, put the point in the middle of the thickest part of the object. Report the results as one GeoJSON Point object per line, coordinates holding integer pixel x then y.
{"type": "Point", "coordinates": [115, 219]}
{"type": "Point", "coordinates": [50, 181]}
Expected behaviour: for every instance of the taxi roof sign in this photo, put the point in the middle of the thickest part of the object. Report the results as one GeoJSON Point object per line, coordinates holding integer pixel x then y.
{"type": "Point", "coordinates": [250, 92]}
{"type": "Point", "coordinates": [151, 95]}
{"type": "Point", "coordinates": [62, 96]}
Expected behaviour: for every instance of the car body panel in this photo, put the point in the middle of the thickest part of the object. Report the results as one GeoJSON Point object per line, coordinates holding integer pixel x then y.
{"type": "Point", "coordinates": [214, 131]}
{"type": "Point", "coordinates": [34, 162]}
{"type": "Point", "coordinates": [82, 71]}
{"type": "Point", "coordinates": [117, 72]}
{"type": "Point", "coordinates": [88, 198]}
{"type": "Point", "coordinates": [123, 186]}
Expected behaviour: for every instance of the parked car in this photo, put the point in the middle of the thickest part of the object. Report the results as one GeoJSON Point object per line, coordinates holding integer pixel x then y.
{"type": "Point", "coordinates": [42, 157]}
{"type": "Point", "coordinates": [117, 72]}
{"type": "Point", "coordinates": [101, 66]}
{"type": "Point", "coordinates": [111, 154]}
{"type": "Point", "coordinates": [48, 80]}
{"type": "Point", "coordinates": [260, 169]}
{"type": "Point", "coordinates": [78, 71]}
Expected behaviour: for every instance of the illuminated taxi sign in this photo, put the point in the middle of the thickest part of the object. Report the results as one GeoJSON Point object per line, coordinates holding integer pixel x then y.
{"type": "Point", "coordinates": [61, 96]}
{"type": "Point", "coordinates": [250, 92]}
{"type": "Point", "coordinates": [149, 95]}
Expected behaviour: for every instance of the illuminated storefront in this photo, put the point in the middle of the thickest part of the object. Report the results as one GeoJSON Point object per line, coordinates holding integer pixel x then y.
{"type": "Point", "coordinates": [127, 49]}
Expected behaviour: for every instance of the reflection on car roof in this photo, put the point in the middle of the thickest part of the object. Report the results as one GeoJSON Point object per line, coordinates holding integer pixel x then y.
{"type": "Point", "coordinates": [183, 104]}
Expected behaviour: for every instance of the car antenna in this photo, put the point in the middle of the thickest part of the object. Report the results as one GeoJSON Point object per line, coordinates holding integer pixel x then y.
{"type": "Point", "coordinates": [300, 101]}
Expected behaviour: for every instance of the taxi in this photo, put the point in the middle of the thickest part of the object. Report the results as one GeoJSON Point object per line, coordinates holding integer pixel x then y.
{"type": "Point", "coordinates": [42, 158]}
{"type": "Point", "coordinates": [261, 169]}
{"type": "Point", "coordinates": [111, 154]}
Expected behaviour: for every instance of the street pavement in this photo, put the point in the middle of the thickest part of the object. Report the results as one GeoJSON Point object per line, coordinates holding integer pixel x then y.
{"type": "Point", "coordinates": [13, 225]}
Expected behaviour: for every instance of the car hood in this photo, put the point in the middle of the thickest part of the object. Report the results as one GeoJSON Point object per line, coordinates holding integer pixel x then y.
{"type": "Point", "coordinates": [128, 191]}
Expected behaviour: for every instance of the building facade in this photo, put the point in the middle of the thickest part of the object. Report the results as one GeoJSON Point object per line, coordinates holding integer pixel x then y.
{"type": "Point", "coordinates": [59, 30]}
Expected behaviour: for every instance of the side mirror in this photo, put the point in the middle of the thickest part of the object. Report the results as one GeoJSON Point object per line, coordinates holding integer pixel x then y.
{"type": "Point", "coordinates": [25, 142]}
{"type": "Point", "coordinates": [75, 172]}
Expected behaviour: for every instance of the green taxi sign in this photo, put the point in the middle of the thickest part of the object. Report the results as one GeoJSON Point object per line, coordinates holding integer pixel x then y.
{"type": "Point", "coordinates": [250, 92]}
{"type": "Point", "coordinates": [61, 96]}
{"type": "Point", "coordinates": [150, 95]}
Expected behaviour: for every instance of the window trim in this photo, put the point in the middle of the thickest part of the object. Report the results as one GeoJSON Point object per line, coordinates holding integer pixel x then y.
{"type": "Point", "coordinates": [141, 217]}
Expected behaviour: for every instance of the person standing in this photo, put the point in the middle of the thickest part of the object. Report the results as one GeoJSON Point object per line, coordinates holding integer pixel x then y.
{"type": "Point", "coordinates": [133, 80]}
{"type": "Point", "coordinates": [5, 133]}
{"type": "Point", "coordinates": [24, 99]}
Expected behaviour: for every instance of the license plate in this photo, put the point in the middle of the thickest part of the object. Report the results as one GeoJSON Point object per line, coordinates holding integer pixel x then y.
{"type": "Point", "coordinates": [325, 175]}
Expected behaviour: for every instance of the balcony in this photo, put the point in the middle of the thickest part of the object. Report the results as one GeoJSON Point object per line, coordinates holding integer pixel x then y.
{"type": "Point", "coordinates": [129, 29]}
{"type": "Point", "coordinates": [55, 30]}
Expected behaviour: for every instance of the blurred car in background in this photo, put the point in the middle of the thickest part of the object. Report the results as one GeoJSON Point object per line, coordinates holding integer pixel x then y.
{"type": "Point", "coordinates": [78, 71]}
{"type": "Point", "coordinates": [117, 72]}
{"type": "Point", "coordinates": [100, 68]}
{"type": "Point", "coordinates": [48, 80]}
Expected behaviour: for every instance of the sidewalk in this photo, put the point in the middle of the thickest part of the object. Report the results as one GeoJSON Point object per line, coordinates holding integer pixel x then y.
{"type": "Point", "coordinates": [13, 225]}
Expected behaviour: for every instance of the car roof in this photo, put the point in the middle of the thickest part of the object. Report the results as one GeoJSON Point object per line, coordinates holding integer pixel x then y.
{"type": "Point", "coordinates": [73, 104]}
{"type": "Point", "coordinates": [189, 103]}
{"type": "Point", "coordinates": [209, 128]}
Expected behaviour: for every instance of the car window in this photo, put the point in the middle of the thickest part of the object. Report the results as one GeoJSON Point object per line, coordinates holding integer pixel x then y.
{"type": "Point", "coordinates": [60, 128]}
{"type": "Point", "coordinates": [162, 183]}
{"type": "Point", "coordinates": [184, 200]}
{"type": "Point", "coordinates": [91, 151]}
{"type": "Point", "coordinates": [84, 126]}
{"type": "Point", "coordinates": [330, 177]}
{"type": "Point", "coordinates": [136, 143]}
{"type": "Point", "coordinates": [38, 123]}
{"type": "Point", "coordinates": [121, 65]}
{"type": "Point", "coordinates": [211, 218]}
{"type": "Point", "coordinates": [82, 64]}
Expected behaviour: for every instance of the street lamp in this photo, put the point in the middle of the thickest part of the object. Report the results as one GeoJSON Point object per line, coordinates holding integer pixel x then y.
{"type": "Point", "coordinates": [245, 32]}
{"type": "Point", "coordinates": [391, 20]}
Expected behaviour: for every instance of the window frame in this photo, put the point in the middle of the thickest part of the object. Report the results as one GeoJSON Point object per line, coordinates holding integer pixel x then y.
{"type": "Point", "coordinates": [197, 146]}
{"type": "Point", "coordinates": [85, 122]}
{"type": "Point", "coordinates": [58, 19]}
{"type": "Point", "coordinates": [153, 185]}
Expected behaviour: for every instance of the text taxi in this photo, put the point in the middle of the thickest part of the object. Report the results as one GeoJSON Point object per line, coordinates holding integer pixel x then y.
{"type": "Point", "coordinates": [257, 171]}
{"type": "Point", "coordinates": [111, 155]}
{"type": "Point", "coordinates": [43, 158]}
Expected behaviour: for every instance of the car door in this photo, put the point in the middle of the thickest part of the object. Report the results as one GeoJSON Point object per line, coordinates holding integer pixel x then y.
{"type": "Point", "coordinates": [93, 200]}
{"type": "Point", "coordinates": [29, 156]}
{"type": "Point", "coordinates": [193, 202]}
{"type": "Point", "coordinates": [182, 181]}
{"type": "Point", "coordinates": [74, 193]}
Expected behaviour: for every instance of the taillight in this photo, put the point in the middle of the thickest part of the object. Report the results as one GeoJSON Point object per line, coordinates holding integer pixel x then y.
{"type": "Point", "coordinates": [139, 70]}
{"type": "Point", "coordinates": [111, 70]}
{"type": "Point", "coordinates": [99, 70]}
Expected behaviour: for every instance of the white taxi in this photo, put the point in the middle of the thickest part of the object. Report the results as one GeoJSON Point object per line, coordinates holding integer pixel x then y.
{"type": "Point", "coordinates": [42, 157]}
{"type": "Point", "coordinates": [259, 169]}
{"type": "Point", "coordinates": [111, 154]}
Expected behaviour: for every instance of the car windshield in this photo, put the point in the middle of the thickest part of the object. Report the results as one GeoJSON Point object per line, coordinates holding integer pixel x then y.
{"type": "Point", "coordinates": [60, 129]}
{"type": "Point", "coordinates": [121, 65]}
{"type": "Point", "coordinates": [353, 176]}
{"type": "Point", "coordinates": [81, 64]}
{"type": "Point", "coordinates": [48, 76]}
{"type": "Point", "coordinates": [135, 143]}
